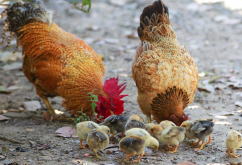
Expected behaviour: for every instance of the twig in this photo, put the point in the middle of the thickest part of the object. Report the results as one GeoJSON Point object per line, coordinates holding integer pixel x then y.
{"type": "Point", "coordinates": [13, 141]}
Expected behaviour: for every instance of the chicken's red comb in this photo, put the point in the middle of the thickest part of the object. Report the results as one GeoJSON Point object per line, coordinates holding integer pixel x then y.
{"type": "Point", "coordinates": [114, 91]}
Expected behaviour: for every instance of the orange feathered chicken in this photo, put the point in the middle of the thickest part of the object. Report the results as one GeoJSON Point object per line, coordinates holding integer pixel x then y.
{"type": "Point", "coordinates": [164, 72]}
{"type": "Point", "coordinates": [60, 64]}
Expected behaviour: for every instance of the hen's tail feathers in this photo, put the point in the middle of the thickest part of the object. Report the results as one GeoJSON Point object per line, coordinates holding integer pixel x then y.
{"type": "Point", "coordinates": [153, 22]}
{"type": "Point", "coordinates": [19, 14]}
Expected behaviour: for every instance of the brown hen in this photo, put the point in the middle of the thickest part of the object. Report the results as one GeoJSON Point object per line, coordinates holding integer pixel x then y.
{"type": "Point", "coordinates": [163, 70]}
{"type": "Point", "coordinates": [58, 63]}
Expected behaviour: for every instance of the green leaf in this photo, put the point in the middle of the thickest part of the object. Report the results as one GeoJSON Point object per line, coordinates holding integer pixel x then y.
{"type": "Point", "coordinates": [95, 97]}
{"type": "Point", "coordinates": [94, 106]}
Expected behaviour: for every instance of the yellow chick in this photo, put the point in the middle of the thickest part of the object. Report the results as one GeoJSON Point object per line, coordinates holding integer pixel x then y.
{"type": "Point", "coordinates": [171, 135]}
{"type": "Point", "coordinates": [116, 124]}
{"type": "Point", "coordinates": [136, 117]}
{"type": "Point", "coordinates": [143, 134]}
{"type": "Point", "coordinates": [132, 146]}
{"type": "Point", "coordinates": [84, 128]}
{"type": "Point", "coordinates": [97, 139]}
{"type": "Point", "coordinates": [166, 123]}
{"type": "Point", "coordinates": [148, 126]}
{"type": "Point", "coordinates": [233, 141]}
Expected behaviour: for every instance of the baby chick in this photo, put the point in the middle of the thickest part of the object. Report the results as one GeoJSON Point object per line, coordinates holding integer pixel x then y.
{"type": "Point", "coordinates": [97, 139]}
{"type": "Point", "coordinates": [166, 123]}
{"type": "Point", "coordinates": [171, 135]}
{"type": "Point", "coordinates": [148, 126]}
{"type": "Point", "coordinates": [84, 128]}
{"type": "Point", "coordinates": [116, 124]}
{"type": "Point", "coordinates": [132, 146]}
{"type": "Point", "coordinates": [233, 141]}
{"type": "Point", "coordinates": [188, 125]}
{"type": "Point", "coordinates": [199, 129]}
{"type": "Point", "coordinates": [134, 124]}
{"type": "Point", "coordinates": [143, 134]}
{"type": "Point", "coordinates": [137, 117]}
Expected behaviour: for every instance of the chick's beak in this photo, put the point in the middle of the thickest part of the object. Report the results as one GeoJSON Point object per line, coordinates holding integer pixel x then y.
{"type": "Point", "coordinates": [157, 148]}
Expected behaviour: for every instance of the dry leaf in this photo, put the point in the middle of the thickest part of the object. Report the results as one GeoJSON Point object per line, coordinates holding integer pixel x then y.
{"type": "Point", "coordinates": [222, 114]}
{"type": "Point", "coordinates": [66, 132]}
{"type": "Point", "coordinates": [206, 87]}
{"type": "Point", "coordinates": [86, 154]}
{"type": "Point", "coordinates": [186, 163]}
{"type": "Point", "coordinates": [3, 118]}
{"type": "Point", "coordinates": [238, 103]}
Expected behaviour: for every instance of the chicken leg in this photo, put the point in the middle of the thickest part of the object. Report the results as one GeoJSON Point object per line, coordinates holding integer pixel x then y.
{"type": "Point", "coordinates": [81, 146]}
{"type": "Point", "coordinates": [196, 143]}
{"type": "Point", "coordinates": [174, 149]}
{"type": "Point", "coordinates": [148, 118]}
{"type": "Point", "coordinates": [235, 156]}
{"type": "Point", "coordinates": [96, 154]}
{"type": "Point", "coordinates": [210, 140]}
{"type": "Point", "coordinates": [138, 160]}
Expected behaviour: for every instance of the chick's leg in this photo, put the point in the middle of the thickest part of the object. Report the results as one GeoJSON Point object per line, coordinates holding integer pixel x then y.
{"type": "Point", "coordinates": [112, 135]}
{"type": "Point", "coordinates": [122, 135]}
{"type": "Point", "coordinates": [81, 146]}
{"type": "Point", "coordinates": [96, 154]}
{"type": "Point", "coordinates": [201, 147]}
{"type": "Point", "coordinates": [228, 151]}
{"type": "Point", "coordinates": [196, 143]}
{"type": "Point", "coordinates": [138, 160]}
{"type": "Point", "coordinates": [174, 149]}
{"type": "Point", "coordinates": [127, 156]}
{"type": "Point", "coordinates": [210, 140]}
{"type": "Point", "coordinates": [234, 154]}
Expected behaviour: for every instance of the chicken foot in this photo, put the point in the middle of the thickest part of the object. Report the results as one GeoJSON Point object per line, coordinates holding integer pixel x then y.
{"type": "Point", "coordinates": [81, 146]}
{"type": "Point", "coordinates": [196, 143]}
{"type": "Point", "coordinates": [112, 135]}
{"type": "Point", "coordinates": [96, 154]}
{"type": "Point", "coordinates": [174, 149]}
{"type": "Point", "coordinates": [49, 107]}
{"type": "Point", "coordinates": [138, 160]}
{"type": "Point", "coordinates": [232, 154]}
{"type": "Point", "coordinates": [210, 140]}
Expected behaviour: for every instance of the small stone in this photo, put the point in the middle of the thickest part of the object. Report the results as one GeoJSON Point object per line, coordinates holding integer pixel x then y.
{"type": "Point", "coordinates": [32, 105]}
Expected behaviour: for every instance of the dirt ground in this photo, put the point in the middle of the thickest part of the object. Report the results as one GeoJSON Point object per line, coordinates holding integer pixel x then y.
{"type": "Point", "coordinates": [211, 31]}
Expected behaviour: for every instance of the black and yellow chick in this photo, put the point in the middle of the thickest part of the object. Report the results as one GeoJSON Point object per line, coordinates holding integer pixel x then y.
{"type": "Point", "coordinates": [116, 124]}
{"type": "Point", "coordinates": [203, 128]}
{"type": "Point", "coordinates": [132, 146]}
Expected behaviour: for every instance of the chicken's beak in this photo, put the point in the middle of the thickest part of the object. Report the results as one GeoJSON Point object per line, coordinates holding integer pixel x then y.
{"type": "Point", "coordinates": [157, 148]}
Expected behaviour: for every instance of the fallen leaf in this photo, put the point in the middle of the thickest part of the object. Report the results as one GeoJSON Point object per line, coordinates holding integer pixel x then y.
{"type": "Point", "coordinates": [222, 114]}
{"type": "Point", "coordinates": [46, 116]}
{"type": "Point", "coordinates": [66, 132]}
{"type": "Point", "coordinates": [2, 157]}
{"type": "Point", "coordinates": [3, 118]}
{"type": "Point", "coordinates": [132, 36]}
{"type": "Point", "coordinates": [206, 87]}
{"type": "Point", "coordinates": [3, 90]}
{"type": "Point", "coordinates": [214, 78]}
{"type": "Point", "coordinates": [93, 28]}
{"type": "Point", "coordinates": [238, 103]}
{"type": "Point", "coordinates": [186, 163]}
{"type": "Point", "coordinates": [86, 154]}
